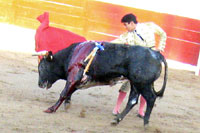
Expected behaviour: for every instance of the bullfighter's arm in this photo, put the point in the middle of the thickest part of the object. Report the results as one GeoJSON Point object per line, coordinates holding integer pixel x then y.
{"type": "Point", "coordinates": [122, 39]}
{"type": "Point", "coordinates": [159, 31]}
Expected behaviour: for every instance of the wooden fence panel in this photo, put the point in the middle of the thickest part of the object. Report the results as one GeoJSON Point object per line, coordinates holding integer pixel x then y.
{"type": "Point", "coordinates": [183, 33]}
{"type": "Point", "coordinates": [101, 21]}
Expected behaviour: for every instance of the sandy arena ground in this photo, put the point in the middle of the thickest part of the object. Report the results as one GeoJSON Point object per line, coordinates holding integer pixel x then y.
{"type": "Point", "coordinates": [22, 103]}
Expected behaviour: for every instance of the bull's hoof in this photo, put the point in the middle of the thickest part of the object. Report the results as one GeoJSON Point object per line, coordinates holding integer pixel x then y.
{"type": "Point", "coordinates": [146, 123]}
{"type": "Point", "coordinates": [67, 106]}
{"type": "Point", "coordinates": [49, 110]}
{"type": "Point", "coordinates": [114, 122]}
{"type": "Point", "coordinates": [146, 127]}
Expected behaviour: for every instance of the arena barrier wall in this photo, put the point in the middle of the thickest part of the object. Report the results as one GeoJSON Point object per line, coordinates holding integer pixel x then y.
{"type": "Point", "coordinates": [101, 21]}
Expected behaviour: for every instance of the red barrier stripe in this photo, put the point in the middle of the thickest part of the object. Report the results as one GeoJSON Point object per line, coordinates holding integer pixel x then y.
{"type": "Point", "coordinates": [186, 52]}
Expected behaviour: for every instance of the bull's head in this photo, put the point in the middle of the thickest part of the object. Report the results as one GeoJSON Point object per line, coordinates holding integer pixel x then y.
{"type": "Point", "coordinates": [46, 69]}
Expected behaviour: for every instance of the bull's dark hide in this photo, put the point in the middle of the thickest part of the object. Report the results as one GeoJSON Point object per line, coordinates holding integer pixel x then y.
{"type": "Point", "coordinates": [142, 66]}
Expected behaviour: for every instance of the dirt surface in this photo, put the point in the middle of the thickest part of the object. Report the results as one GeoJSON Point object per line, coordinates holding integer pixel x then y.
{"type": "Point", "coordinates": [22, 103]}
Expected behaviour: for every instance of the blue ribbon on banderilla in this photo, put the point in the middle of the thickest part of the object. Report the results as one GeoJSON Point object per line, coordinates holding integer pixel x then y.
{"type": "Point", "coordinates": [91, 56]}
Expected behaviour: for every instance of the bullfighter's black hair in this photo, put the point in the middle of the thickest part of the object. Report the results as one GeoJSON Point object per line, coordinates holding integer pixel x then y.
{"type": "Point", "coordinates": [128, 18]}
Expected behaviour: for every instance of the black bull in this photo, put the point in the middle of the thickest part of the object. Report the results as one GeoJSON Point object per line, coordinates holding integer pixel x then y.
{"type": "Point", "coordinates": [140, 65]}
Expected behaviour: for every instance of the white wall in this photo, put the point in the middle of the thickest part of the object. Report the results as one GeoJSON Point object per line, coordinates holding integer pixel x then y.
{"type": "Point", "coordinates": [18, 39]}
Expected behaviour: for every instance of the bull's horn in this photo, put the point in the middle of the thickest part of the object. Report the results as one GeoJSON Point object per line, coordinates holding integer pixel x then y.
{"type": "Point", "coordinates": [40, 53]}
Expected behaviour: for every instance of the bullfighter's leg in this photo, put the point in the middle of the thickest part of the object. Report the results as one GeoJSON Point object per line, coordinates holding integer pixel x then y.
{"type": "Point", "coordinates": [150, 98]}
{"type": "Point", "coordinates": [122, 94]}
{"type": "Point", "coordinates": [141, 107]}
{"type": "Point", "coordinates": [132, 101]}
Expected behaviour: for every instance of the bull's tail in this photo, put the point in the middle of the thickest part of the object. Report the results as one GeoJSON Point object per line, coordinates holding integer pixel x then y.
{"type": "Point", "coordinates": [161, 92]}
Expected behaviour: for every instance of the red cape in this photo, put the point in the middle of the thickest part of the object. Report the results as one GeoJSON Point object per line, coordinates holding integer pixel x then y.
{"type": "Point", "coordinates": [51, 38]}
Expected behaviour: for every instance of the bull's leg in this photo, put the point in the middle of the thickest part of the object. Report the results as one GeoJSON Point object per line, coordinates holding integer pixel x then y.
{"type": "Point", "coordinates": [73, 78]}
{"type": "Point", "coordinates": [68, 90]}
{"type": "Point", "coordinates": [150, 98]}
{"type": "Point", "coordinates": [67, 103]}
{"type": "Point", "coordinates": [132, 101]}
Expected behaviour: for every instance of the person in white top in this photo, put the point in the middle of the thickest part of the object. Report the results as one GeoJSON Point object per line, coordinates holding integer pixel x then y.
{"type": "Point", "coordinates": [142, 34]}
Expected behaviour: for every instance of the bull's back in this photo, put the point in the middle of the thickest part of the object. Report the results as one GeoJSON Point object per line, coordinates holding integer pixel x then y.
{"type": "Point", "coordinates": [134, 62]}
{"type": "Point", "coordinates": [109, 63]}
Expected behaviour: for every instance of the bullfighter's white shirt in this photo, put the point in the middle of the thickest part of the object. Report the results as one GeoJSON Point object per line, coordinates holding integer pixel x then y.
{"type": "Point", "coordinates": [144, 35]}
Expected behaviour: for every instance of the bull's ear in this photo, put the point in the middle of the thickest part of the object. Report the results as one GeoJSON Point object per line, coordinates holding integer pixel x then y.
{"type": "Point", "coordinates": [49, 56]}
